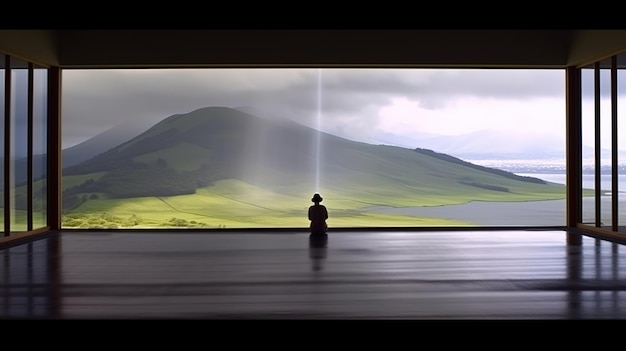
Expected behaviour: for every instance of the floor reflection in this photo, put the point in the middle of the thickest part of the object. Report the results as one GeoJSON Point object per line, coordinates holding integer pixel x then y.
{"type": "Point", "coordinates": [580, 281]}
{"type": "Point", "coordinates": [31, 279]}
{"type": "Point", "coordinates": [317, 252]}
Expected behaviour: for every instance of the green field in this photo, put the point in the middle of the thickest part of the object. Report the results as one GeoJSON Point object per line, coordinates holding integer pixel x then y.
{"type": "Point", "coordinates": [234, 204]}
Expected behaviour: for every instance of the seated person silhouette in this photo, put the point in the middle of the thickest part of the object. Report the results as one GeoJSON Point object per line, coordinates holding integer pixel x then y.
{"type": "Point", "coordinates": [318, 216]}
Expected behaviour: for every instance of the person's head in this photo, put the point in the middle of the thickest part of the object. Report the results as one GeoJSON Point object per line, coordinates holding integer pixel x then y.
{"type": "Point", "coordinates": [317, 198]}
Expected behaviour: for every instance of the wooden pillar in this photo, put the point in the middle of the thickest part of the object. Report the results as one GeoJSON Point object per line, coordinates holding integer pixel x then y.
{"type": "Point", "coordinates": [573, 153]}
{"type": "Point", "coordinates": [54, 148]}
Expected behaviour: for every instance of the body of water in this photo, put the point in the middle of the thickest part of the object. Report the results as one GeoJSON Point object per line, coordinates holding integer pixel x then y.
{"type": "Point", "coordinates": [526, 213]}
{"type": "Point", "coordinates": [588, 180]}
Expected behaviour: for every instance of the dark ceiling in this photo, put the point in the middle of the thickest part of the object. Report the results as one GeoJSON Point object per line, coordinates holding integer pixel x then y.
{"type": "Point", "coordinates": [312, 48]}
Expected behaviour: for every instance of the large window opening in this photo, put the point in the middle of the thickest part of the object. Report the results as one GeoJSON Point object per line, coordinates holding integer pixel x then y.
{"type": "Point", "coordinates": [24, 128]}
{"type": "Point", "coordinates": [604, 144]}
{"type": "Point", "coordinates": [247, 148]}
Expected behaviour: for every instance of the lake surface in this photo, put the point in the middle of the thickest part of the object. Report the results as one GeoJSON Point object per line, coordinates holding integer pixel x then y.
{"type": "Point", "coordinates": [588, 180]}
{"type": "Point", "coordinates": [528, 213]}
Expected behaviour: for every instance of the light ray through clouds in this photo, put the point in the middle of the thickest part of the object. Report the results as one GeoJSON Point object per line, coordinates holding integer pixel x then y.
{"type": "Point", "coordinates": [370, 105]}
{"type": "Point", "coordinates": [318, 142]}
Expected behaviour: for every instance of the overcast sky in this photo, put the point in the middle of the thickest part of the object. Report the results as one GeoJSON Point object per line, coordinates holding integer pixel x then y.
{"type": "Point", "coordinates": [359, 104]}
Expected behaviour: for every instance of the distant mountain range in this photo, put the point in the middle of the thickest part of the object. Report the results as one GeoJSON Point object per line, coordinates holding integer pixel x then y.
{"type": "Point", "coordinates": [517, 152]}
{"type": "Point", "coordinates": [485, 144]}
{"type": "Point", "coordinates": [102, 142]}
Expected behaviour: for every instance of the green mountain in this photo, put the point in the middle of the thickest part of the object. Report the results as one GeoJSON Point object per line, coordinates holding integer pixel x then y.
{"type": "Point", "coordinates": [186, 152]}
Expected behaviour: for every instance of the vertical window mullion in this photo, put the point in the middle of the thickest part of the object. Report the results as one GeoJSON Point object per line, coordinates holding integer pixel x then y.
{"type": "Point", "coordinates": [573, 156]}
{"type": "Point", "coordinates": [29, 154]}
{"type": "Point", "coordinates": [54, 151]}
{"type": "Point", "coordinates": [614, 151]}
{"type": "Point", "coordinates": [7, 145]}
{"type": "Point", "coordinates": [597, 145]}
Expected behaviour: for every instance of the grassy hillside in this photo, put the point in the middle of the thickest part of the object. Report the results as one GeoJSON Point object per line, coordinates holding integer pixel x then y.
{"type": "Point", "coordinates": [230, 204]}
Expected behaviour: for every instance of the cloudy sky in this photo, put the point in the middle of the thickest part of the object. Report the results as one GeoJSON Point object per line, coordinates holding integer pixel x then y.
{"type": "Point", "coordinates": [360, 104]}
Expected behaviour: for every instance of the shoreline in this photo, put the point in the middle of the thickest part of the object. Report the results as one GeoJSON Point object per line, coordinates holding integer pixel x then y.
{"type": "Point", "coordinates": [522, 213]}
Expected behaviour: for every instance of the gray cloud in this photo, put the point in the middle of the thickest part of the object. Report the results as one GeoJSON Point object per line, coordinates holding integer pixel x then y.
{"type": "Point", "coordinates": [348, 99]}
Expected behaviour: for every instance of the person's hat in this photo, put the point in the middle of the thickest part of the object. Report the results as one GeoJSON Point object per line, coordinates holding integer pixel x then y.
{"type": "Point", "coordinates": [317, 198]}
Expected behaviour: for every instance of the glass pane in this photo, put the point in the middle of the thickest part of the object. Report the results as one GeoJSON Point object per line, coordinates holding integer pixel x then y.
{"type": "Point", "coordinates": [621, 138]}
{"type": "Point", "coordinates": [606, 148]}
{"type": "Point", "coordinates": [588, 145]}
{"type": "Point", "coordinates": [19, 145]}
{"type": "Point", "coordinates": [40, 155]}
{"type": "Point", "coordinates": [247, 148]}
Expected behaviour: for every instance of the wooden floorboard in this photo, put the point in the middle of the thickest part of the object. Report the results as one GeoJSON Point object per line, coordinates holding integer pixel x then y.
{"type": "Point", "coordinates": [508, 274]}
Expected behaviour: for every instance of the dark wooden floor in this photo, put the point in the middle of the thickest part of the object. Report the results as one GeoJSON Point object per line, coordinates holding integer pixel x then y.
{"type": "Point", "coordinates": [513, 274]}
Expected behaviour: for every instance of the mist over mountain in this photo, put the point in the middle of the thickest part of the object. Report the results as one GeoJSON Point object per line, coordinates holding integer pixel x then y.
{"type": "Point", "coordinates": [476, 146]}
{"type": "Point", "coordinates": [486, 144]}
{"type": "Point", "coordinates": [102, 142]}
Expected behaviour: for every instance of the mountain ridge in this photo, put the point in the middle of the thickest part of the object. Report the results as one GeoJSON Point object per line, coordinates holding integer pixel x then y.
{"type": "Point", "coordinates": [185, 152]}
